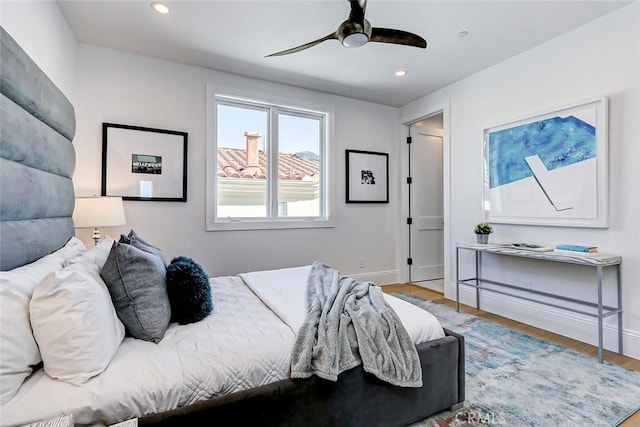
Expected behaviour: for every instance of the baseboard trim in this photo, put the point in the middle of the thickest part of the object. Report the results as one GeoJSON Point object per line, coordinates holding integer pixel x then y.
{"type": "Point", "coordinates": [433, 285]}
{"type": "Point", "coordinates": [566, 323]}
{"type": "Point", "coordinates": [380, 278]}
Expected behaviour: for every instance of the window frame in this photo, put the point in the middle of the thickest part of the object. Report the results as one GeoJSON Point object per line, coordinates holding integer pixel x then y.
{"type": "Point", "coordinates": [239, 97]}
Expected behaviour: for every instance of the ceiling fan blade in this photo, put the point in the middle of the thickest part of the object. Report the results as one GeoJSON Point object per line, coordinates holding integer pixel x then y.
{"type": "Point", "coordinates": [386, 35]}
{"type": "Point", "coordinates": [357, 10]}
{"type": "Point", "coordinates": [305, 46]}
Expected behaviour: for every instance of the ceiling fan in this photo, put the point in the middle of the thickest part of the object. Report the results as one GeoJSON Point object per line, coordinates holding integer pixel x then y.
{"type": "Point", "coordinates": [356, 31]}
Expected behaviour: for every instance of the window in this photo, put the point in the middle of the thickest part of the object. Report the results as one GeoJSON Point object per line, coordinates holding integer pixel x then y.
{"type": "Point", "coordinates": [268, 165]}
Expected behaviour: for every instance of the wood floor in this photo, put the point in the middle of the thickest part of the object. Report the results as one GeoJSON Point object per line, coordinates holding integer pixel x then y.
{"type": "Point", "coordinates": [591, 350]}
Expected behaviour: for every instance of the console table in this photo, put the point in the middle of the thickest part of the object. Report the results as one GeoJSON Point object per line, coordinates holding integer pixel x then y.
{"type": "Point", "coordinates": [597, 261]}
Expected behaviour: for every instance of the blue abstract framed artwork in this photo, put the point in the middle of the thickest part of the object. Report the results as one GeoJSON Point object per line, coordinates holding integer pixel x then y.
{"type": "Point", "coordinates": [551, 169]}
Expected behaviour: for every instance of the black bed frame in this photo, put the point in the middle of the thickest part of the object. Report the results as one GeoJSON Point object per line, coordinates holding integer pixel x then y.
{"type": "Point", "coordinates": [356, 399]}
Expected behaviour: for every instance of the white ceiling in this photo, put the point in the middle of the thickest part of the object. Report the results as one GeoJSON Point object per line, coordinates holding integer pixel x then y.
{"type": "Point", "coordinates": [235, 36]}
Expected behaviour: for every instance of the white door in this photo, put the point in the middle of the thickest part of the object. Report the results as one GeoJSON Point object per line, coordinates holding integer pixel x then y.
{"type": "Point", "coordinates": [426, 209]}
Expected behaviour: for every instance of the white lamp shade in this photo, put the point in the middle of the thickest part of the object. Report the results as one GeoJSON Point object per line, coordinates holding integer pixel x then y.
{"type": "Point", "coordinates": [98, 212]}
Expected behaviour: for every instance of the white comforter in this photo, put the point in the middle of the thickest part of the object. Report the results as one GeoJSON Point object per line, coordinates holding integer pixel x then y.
{"type": "Point", "coordinates": [284, 291]}
{"type": "Point", "coordinates": [246, 345]}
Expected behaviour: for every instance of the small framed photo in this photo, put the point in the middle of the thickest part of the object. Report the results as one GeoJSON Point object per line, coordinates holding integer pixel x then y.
{"type": "Point", "coordinates": [367, 177]}
{"type": "Point", "coordinates": [140, 163]}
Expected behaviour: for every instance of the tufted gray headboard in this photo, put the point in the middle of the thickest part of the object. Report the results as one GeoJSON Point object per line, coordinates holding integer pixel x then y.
{"type": "Point", "coordinates": [37, 159]}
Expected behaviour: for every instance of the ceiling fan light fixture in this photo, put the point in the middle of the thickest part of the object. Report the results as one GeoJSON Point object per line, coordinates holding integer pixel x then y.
{"type": "Point", "coordinates": [356, 31]}
{"type": "Point", "coordinates": [160, 7]}
{"type": "Point", "coordinates": [355, 40]}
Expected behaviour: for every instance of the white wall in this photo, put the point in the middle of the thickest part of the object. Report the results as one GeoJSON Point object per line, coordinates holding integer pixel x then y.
{"type": "Point", "coordinates": [42, 31]}
{"type": "Point", "coordinates": [135, 90]}
{"type": "Point", "coordinates": [599, 59]}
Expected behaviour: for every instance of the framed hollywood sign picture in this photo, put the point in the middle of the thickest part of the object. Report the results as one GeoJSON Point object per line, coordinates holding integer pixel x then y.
{"type": "Point", "coordinates": [140, 163]}
{"type": "Point", "coordinates": [367, 177]}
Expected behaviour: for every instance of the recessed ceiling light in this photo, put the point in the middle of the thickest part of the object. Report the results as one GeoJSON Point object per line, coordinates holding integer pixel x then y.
{"type": "Point", "coordinates": [160, 7]}
{"type": "Point", "coordinates": [401, 73]}
{"type": "Point", "coordinates": [463, 34]}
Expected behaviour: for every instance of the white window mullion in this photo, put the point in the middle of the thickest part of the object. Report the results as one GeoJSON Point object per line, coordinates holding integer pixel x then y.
{"type": "Point", "coordinates": [273, 163]}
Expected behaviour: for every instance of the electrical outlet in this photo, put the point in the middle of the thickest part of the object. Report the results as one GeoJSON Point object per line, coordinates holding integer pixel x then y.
{"type": "Point", "coordinates": [360, 262]}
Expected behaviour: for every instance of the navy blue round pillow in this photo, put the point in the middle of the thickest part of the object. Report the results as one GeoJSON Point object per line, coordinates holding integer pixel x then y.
{"type": "Point", "coordinates": [189, 291]}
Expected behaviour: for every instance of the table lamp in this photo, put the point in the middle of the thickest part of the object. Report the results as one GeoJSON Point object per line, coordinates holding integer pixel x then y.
{"type": "Point", "coordinates": [94, 212]}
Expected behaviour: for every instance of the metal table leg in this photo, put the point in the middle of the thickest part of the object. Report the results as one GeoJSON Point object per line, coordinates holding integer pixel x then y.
{"type": "Point", "coordinates": [600, 351]}
{"type": "Point", "coordinates": [457, 280]}
{"type": "Point", "coordinates": [619, 308]}
{"type": "Point", "coordinates": [478, 261]}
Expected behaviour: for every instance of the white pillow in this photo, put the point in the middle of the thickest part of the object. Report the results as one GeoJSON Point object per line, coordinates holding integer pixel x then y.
{"type": "Point", "coordinates": [19, 349]}
{"type": "Point", "coordinates": [75, 324]}
{"type": "Point", "coordinates": [96, 254]}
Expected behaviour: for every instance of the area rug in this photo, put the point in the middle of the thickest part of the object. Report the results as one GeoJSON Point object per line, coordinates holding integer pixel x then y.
{"type": "Point", "coordinates": [520, 380]}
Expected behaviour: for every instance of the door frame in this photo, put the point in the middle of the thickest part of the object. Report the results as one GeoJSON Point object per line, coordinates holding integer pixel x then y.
{"type": "Point", "coordinates": [403, 233]}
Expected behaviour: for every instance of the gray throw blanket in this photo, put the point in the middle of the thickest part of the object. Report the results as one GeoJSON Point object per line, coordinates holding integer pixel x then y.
{"type": "Point", "coordinates": [348, 323]}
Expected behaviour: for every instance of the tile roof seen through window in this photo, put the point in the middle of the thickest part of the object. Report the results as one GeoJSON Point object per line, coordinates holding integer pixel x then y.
{"type": "Point", "coordinates": [232, 163]}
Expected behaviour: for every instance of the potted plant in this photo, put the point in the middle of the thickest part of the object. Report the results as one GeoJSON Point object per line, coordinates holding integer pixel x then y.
{"type": "Point", "coordinates": [482, 231]}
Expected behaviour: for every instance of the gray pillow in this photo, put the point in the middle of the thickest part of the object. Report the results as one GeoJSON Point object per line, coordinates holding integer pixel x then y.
{"type": "Point", "coordinates": [135, 240]}
{"type": "Point", "coordinates": [137, 283]}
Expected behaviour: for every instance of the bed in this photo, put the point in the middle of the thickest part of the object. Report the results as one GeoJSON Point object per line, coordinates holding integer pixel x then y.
{"type": "Point", "coordinates": [181, 380]}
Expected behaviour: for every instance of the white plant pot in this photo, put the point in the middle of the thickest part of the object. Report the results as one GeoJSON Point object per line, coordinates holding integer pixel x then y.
{"type": "Point", "coordinates": [483, 238]}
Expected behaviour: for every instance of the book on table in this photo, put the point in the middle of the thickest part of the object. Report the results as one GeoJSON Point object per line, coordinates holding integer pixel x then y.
{"type": "Point", "coordinates": [531, 247]}
{"type": "Point", "coordinates": [565, 247]}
